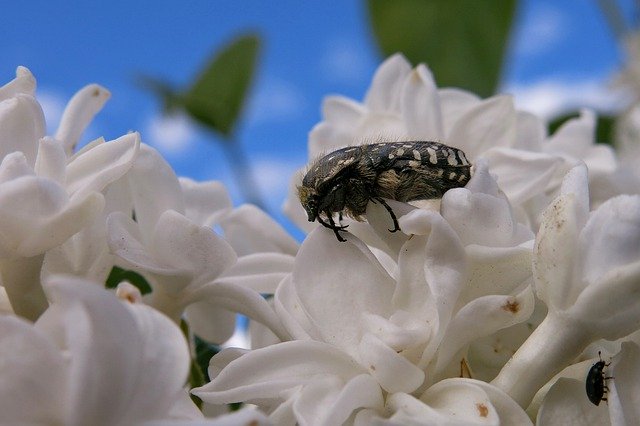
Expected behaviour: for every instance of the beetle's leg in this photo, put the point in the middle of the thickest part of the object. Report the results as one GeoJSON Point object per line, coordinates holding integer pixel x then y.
{"type": "Point", "coordinates": [331, 224]}
{"type": "Point", "coordinates": [396, 226]}
{"type": "Point", "coordinates": [336, 229]}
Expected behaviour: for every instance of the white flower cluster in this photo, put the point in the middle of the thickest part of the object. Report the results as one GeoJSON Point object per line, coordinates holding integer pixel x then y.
{"type": "Point", "coordinates": [490, 307]}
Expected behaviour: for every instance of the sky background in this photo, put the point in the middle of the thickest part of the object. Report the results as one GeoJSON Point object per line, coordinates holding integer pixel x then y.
{"type": "Point", "coordinates": [562, 56]}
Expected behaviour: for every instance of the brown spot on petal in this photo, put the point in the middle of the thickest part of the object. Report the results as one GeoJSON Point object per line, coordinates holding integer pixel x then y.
{"type": "Point", "coordinates": [511, 306]}
{"type": "Point", "coordinates": [96, 92]}
{"type": "Point", "coordinates": [253, 423]}
{"type": "Point", "coordinates": [483, 410]}
{"type": "Point", "coordinates": [372, 367]}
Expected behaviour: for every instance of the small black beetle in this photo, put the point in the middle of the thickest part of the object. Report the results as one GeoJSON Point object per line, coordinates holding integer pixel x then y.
{"type": "Point", "coordinates": [596, 382]}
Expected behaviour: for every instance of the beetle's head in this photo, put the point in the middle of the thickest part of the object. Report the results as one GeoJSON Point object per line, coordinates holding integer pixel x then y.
{"type": "Point", "coordinates": [309, 200]}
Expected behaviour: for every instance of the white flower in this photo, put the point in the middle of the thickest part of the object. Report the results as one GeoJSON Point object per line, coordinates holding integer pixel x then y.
{"type": "Point", "coordinates": [46, 194]}
{"type": "Point", "coordinates": [404, 104]}
{"type": "Point", "coordinates": [90, 359]}
{"type": "Point", "coordinates": [586, 270]}
{"type": "Point", "coordinates": [566, 397]}
{"type": "Point", "coordinates": [363, 335]}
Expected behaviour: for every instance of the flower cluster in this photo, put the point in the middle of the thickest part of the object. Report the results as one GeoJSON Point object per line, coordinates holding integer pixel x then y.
{"type": "Point", "coordinates": [490, 307]}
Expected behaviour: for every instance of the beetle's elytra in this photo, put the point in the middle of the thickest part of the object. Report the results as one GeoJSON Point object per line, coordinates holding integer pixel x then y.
{"type": "Point", "coordinates": [344, 181]}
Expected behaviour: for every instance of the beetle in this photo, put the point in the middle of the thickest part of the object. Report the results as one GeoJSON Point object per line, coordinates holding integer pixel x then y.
{"type": "Point", "coordinates": [596, 386]}
{"type": "Point", "coordinates": [345, 180]}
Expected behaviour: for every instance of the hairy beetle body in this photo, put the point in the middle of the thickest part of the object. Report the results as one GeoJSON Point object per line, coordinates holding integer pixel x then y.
{"type": "Point", "coordinates": [344, 181]}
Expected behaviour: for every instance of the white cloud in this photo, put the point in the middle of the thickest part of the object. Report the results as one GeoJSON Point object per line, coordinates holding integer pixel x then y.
{"type": "Point", "coordinates": [540, 28]}
{"type": "Point", "coordinates": [344, 61]}
{"type": "Point", "coordinates": [53, 105]}
{"type": "Point", "coordinates": [552, 97]}
{"type": "Point", "coordinates": [169, 133]}
{"type": "Point", "coordinates": [275, 100]}
{"type": "Point", "coordinates": [272, 176]}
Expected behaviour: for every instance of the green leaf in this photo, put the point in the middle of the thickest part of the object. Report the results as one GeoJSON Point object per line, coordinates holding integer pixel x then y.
{"type": "Point", "coordinates": [462, 41]}
{"type": "Point", "coordinates": [218, 95]}
{"type": "Point", "coordinates": [117, 275]}
{"type": "Point", "coordinates": [604, 126]}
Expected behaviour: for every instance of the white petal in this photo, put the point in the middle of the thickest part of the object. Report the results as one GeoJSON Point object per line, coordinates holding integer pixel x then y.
{"type": "Point", "coordinates": [611, 237]}
{"type": "Point", "coordinates": [454, 104]}
{"type": "Point", "coordinates": [532, 130]}
{"type": "Point", "coordinates": [205, 202]}
{"type": "Point", "coordinates": [249, 230]}
{"type": "Point", "coordinates": [624, 395]}
{"type": "Point", "coordinates": [32, 389]}
{"type": "Point", "coordinates": [574, 137]}
{"type": "Point", "coordinates": [567, 403]}
{"type": "Point", "coordinates": [36, 214]}
{"type": "Point", "coordinates": [266, 372]}
{"type": "Point", "coordinates": [479, 218]}
{"type": "Point", "coordinates": [330, 401]}
{"type": "Point", "coordinates": [80, 110]}
{"type": "Point", "coordinates": [13, 166]}
{"type": "Point", "coordinates": [164, 367]}
{"type": "Point", "coordinates": [154, 188]}
{"type": "Point", "coordinates": [496, 270]}
{"type": "Point", "coordinates": [261, 272]}
{"type": "Point", "coordinates": [96, 168]}
{"type": "Point", "coordinates": [294, 319]}
{"type": "Point", "coordinates": [21, 126]}
{"type": "Point", "coordinates": [125, 241]}
{"type": "Point", "coordinates": [235, 299]}
{"type": "Point", "coordinates": [490, 124]}
{"type": "Point", "coordinates": [179, 243]}
{"type": "Point", "coordinates": [99, 333]}
{"type": "Point", "coordinates": [421, 106]}
{"type": "Point", "coordinates": [522, 174]}
{"type": "Point", "coordinates": [390, 369]}
{"type": "Point", "coordinates": [341, 111]}
{"type": "Point", "coordinates": [51, 161]}
{"type": "Point", "coordinates": [555, 253]}
{"type": "Point", "coordinates": [474, 402]}
{"type": "Point", "coordinates": [385, 86]}
{"type": "Point", "coordinates": [24, 83]}
{"type": "Point", "coordinates": [482, 317]}
{"type": "Point", "coordinates": [336, 283]}
{"type": "Point", "coordinates": [324, 137]}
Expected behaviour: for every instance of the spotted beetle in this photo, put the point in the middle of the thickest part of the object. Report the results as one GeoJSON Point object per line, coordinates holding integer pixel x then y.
{"type": "Point", "coordinates": [345, 180]}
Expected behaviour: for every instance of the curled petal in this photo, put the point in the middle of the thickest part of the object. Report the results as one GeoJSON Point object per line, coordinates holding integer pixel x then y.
{"type": "Point", "coordinates": [391, 370]}
{"type": "Point", "coordinates": [197, 250]}
{"type": "Point", "coordinates": [266, 372]}
{"type": "Point", "coordinates": [454, 104]}
{"type": "Point", "coordinates": [330, 401]}
{"type": "Point", "coordinates": [13, 166]}
{"type": "Point", "coordinates": [80, 110]}
{"type": "Point", "coordinates": [24, 83]}
{"type": "Point", "coordinates": [94, 169]}
{"type": "Point", "coordinates": [21, 126]}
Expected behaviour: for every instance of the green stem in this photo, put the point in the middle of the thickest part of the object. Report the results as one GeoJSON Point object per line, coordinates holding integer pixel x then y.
{"type": "Point", "coordinates": [21, 280]}
{"type": "Point", "coordinates": [243, 173]}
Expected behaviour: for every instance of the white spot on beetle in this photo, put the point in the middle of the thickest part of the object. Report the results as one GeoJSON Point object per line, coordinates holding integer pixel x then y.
{"type": "Point", "coordinates": [416, 155]}
{"type": "Point", "coordinates": [452, 176]}
{"type": "Point", "coordinates": [433, 157]}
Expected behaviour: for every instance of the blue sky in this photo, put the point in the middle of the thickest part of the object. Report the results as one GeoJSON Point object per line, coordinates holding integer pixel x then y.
{"type": "Point", "coordinates": [562, 54]}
